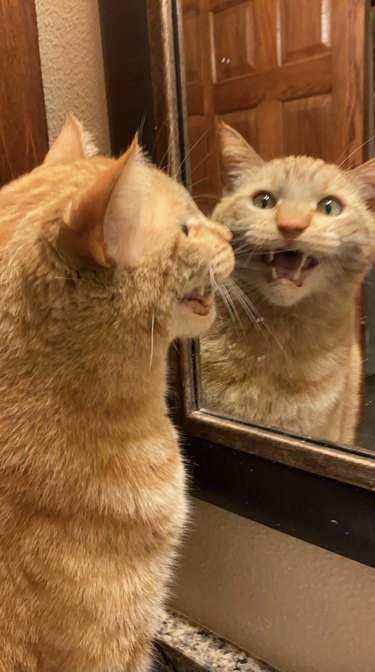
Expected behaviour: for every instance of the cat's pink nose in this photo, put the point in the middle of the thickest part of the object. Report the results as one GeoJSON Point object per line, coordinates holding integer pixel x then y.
{"type": "Point", "coordinates": [292, 228]}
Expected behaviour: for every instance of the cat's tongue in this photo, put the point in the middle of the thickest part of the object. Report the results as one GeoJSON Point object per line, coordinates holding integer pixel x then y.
{"type": "Point", "coordinates": [287, 264]}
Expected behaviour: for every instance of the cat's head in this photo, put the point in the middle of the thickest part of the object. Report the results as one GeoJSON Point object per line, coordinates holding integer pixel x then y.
{"type": "Point", "coordinates": [300, 225]}
{"type": "Point", "coordinates": [123, 225]}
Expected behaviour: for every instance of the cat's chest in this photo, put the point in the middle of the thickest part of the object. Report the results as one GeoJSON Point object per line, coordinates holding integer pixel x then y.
{"type": "Point", "coordinates": [272, 380]}
{"type": "Point", "coordinates": [259, 362]}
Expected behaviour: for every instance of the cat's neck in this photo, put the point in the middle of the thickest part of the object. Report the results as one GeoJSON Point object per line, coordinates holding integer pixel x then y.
{"type": "Point", "coordinates": [86, 359]}
{"type": "Point", "coordinates": [326, 307]}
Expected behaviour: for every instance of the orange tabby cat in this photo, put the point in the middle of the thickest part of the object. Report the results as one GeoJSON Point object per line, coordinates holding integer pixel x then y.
{"type": "Point", "coordinates": [104, 262]}
{"type": "Point", "coordinates": [305, 240]}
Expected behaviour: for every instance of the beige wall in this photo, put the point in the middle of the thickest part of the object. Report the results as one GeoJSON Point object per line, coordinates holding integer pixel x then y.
{"type": "Point", "coordinates": [72, 66]}
{"type": "Point", "coordinates": [287, 602]}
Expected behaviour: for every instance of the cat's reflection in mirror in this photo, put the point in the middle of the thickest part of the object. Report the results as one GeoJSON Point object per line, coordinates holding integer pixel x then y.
{"type": "Point", "coordinates": [287, 352]}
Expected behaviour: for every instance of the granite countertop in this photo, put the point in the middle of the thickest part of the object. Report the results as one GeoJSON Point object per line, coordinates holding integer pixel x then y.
{"type": "Point", "coordinates": [185, 647]}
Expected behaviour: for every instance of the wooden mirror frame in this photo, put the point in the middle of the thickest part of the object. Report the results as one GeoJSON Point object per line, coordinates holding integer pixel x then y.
{"type": "Point", "coordinates": [314, 490]}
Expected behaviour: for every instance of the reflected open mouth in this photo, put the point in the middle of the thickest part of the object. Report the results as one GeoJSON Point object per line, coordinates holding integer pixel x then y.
{"type": "Point", "coordinates": [290, 265]}
{"type": "Point", "coordinates": [199, 301]}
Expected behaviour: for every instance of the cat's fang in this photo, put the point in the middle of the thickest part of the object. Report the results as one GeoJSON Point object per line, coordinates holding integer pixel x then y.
{"type": "Point", "coordinates": [301, 267]}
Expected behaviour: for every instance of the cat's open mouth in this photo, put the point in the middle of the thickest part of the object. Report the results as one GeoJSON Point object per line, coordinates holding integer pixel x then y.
{"type": "Point", "coordinates": [289, 265]}
{"type": "Point", "coordinates": [199, 301]}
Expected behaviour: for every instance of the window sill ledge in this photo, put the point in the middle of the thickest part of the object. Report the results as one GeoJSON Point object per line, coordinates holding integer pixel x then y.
{"type": "Point", "coordinates": [185, 647]}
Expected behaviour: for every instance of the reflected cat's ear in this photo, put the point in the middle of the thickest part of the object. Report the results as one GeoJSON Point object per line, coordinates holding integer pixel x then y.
{"type": "Point", "coordinates": [102, 226]}
{"type": "Point", "coordinates": [236, 155]}
{"type": "Point", "coordinates": [365, 177]}
{"type": "Point", "coordinates": [72, 143]}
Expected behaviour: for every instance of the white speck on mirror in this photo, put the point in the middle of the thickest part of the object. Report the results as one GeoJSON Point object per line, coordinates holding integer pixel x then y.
{"type": "Point", "coordinates": [335, 522]}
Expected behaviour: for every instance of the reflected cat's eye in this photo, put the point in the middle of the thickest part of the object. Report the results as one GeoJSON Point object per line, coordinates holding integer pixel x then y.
{"type": "Point", "coordinates": [330, 206]}
{"type": "Point", "coordinates": [264, 200]}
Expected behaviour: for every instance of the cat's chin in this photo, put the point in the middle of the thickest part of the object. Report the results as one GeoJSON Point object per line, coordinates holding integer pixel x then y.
{"type": "Point", "coordinates": [193, 318]}
{"type": "Point", "coordinates": [284, 292]}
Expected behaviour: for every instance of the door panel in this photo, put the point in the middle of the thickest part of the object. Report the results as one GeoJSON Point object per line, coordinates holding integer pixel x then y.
{"type": "Point", "coordinates": [23, 128]}
{"type": "Point", "coordinates": [302, 38]}
{"type": "Point", "coordinates": [233, 40]}
{"type": "Point", "coordinates": [307, 123]}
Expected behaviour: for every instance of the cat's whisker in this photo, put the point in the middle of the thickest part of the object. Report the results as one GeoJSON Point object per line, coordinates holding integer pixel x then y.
{"type": "Point", "coordinates": [206, 156]}
{"type": "Point", "coordinates": [175, 347]}
{"type": "Point", "coordinates": [219, 289]}
{"type": "Point", "coordinates": [243, 300]}
{"type": "Point", "coordinates": [152, 339]}
{"type": "Point", "coordinates": [355, 150]}
{"type": "Point", "coordinates": [212, 197]}
{"type": "Point", "coordinates": [260, 321]}
{"type": "Point", "coordinates": [159, 130]}
{"type": "Point", "coordinates": [141, 127]}
{"type": "Point", "coordinates": [224, 291]}
{"type": "Point", "coordinates": [247, 250]}
{"type": "Point", "coordinates": [187, 155]}
{"type": "Point", "coordinates": [223, 296]}
{"type": "Point", "coordinates": [207, 178]}
{"type": "Point", "coordinates": [162, 161]}
{"type": "Point", "coordinates": [245, 245]}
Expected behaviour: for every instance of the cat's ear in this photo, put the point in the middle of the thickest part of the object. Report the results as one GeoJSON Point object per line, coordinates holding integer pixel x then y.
{"type": "Point", "coordinates": [102, 226]}
{"type": "Point", "coordinates": [365, 177]}
{"type": "Point", "coordinates": [236, 155]}
{"type": "Point", "coordinates": [72, 143]}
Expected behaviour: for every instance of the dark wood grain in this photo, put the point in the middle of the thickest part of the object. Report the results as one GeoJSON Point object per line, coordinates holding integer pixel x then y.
{"type": "Point", "coordinates": [23, 128]}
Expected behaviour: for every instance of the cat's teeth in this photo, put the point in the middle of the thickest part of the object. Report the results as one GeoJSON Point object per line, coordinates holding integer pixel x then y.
{"type": "Point", "coordinates": [274, 273]}
{"type": "Point", "coordinates": [271, 256]}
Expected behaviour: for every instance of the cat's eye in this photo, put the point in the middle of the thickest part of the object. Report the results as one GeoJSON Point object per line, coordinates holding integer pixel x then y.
{"type": "Point", "coordinates": [264, 200]}
{"type": "Point", "coordinates": [329, 206]}
{"type": "Point", "coordinates": [185, 229]}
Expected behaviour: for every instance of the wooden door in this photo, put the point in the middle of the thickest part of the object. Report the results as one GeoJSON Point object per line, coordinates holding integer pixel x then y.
{"type": "Point", "coordinates": [290, 75]}
{"type": "Point", "coordinates": [23, 128]}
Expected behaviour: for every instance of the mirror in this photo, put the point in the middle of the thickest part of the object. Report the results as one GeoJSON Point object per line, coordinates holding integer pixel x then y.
{"type": "Point", "coordinates": [293, 344]}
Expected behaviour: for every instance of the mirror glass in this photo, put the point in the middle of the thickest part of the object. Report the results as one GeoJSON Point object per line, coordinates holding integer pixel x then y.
{"type": "Point", "coordinates": [293, 344]}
